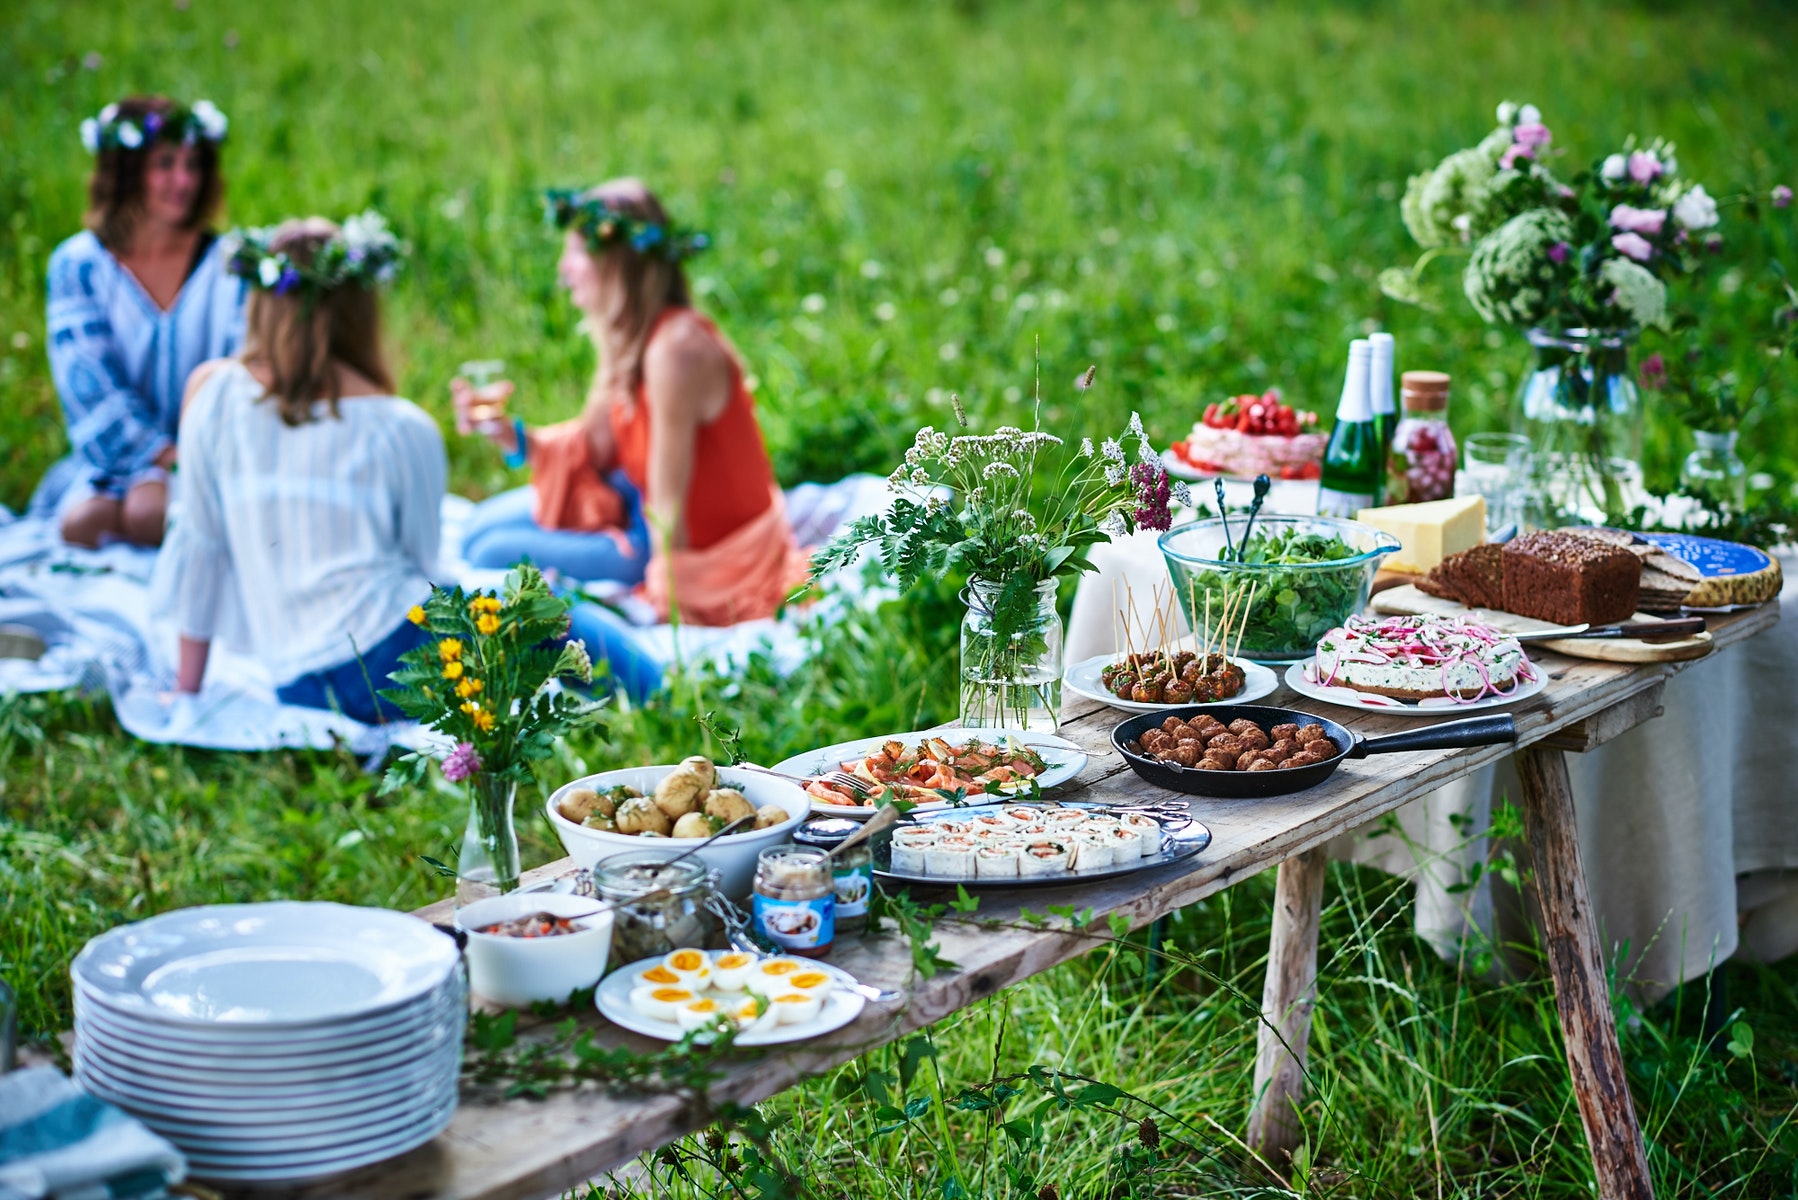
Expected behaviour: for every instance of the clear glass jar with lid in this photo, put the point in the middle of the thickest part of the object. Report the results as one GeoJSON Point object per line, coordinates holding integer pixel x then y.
{"type": "Point", "coordinates": [662, 906]}
{"type": "Point", "coordinates": [852, 872]}
{"type": "Point", "coordinates": [1421, 463]}
{"type": "Point", "coordinates": [795, 899]}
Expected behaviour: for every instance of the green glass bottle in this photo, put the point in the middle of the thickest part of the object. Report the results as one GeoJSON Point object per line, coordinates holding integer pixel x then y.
{"type": "Point", "coordinates": [1385, 405]}
{"type": "Point", "coordinates": [1353, 464]}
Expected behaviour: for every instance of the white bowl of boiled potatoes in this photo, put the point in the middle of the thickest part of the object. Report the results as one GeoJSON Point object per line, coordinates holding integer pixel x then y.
{"type": "Point", "coordinates": [667, 808]}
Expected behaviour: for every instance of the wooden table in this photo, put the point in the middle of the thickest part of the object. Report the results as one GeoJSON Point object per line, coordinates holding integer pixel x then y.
{"type": "Point", "coordinates": [521, 1150]}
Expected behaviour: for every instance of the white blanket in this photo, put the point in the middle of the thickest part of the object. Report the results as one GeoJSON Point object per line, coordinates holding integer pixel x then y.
{"type": "Point", "coordinates": [91, 607]}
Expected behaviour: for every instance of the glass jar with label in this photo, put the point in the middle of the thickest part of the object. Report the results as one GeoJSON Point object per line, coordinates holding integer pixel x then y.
{"type": "Point", "coordinates": [796, 899]}
{"type": "Point", "coordinates": [662, 906]}
{"type": "Point", "coordinates": [852, 872]}
{"type": "Point", "coordinates": [1421, 463]}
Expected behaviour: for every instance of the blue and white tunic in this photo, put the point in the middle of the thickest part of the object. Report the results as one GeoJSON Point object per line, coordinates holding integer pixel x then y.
{"type": "Point", "coordinates": [120, 363]}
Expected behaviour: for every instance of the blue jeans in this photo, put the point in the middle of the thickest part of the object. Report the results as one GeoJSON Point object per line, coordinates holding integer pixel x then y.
{"type": "Point", "coordinates": [352, 688]}
{"type": "Point", "coordinates": [501, 532]}
{"type": "Point", "coordinates": [614, 641]}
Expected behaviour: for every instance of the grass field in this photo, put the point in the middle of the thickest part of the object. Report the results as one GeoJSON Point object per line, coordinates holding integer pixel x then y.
{"type": "Point", "coordinates": [907, 200]}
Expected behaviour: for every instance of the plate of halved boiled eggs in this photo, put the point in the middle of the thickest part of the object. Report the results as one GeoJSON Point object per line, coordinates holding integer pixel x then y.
{"type": "Point", "coordinates": [768, 998]}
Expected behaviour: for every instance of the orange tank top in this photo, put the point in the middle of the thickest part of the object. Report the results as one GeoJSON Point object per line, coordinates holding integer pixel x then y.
{"type": "Point", "coordinates": [733, 481]}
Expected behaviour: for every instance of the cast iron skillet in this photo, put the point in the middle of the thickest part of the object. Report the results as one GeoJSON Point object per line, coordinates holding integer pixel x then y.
{"type": "Point", "coordinates": [1496, 730]}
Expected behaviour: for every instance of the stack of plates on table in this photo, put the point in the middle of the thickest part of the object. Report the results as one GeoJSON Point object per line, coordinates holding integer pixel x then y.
{"type": "Point", "coordinates": [274, 1043]}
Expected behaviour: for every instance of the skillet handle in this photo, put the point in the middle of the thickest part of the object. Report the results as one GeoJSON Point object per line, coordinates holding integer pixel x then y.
{"type": "Point", "coordinates": [1497, 730]}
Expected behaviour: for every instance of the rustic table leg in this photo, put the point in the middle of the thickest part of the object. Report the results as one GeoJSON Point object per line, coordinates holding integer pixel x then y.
{"type": "Point", "coordinates": [1588, 1024]}
{"type": "Point", "coordinates": [1286, 1002]}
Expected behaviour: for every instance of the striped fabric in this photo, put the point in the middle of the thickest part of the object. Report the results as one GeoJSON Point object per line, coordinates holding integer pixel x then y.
{"type": "Point", "coordinates": [57, 1141]}
{"type": "Point", "coordinates": [120, 363]}
{"type": "Point", "coordinates": [321, 535]}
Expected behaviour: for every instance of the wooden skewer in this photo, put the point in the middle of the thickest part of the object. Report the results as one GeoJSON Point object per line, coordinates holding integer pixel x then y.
{"type": "Point", "coordinates": [1129, 641]}
{"type": "Point", "coordinates": [1114, 618]}
{"type": "Point", "coordinates": [1223, 620]}
{"type": "Point", "coordinates": [1161, 629]}
{"type": "Point", "coordinates": [1243, 619]}
{"type": "Point", "coordinates": [1205, 639]}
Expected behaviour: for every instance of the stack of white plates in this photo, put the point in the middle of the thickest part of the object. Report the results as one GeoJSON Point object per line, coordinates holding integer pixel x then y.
{"type": "Point", "coordinates": [274, 1043]}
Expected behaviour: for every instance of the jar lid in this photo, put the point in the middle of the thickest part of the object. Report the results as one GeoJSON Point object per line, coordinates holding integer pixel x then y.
{"type": "Point", "coordinates": [825, 831]}
{"type": "Point", "coordinates": [798, 854]}
{"type": "Point", "coordinates": [1426, 390]}
{"type": "Point", "coordinates": [634, 872]}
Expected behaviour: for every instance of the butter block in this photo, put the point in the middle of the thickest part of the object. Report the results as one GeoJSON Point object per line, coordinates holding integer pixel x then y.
{"type": "Point", "coordinates": [1429, 532]}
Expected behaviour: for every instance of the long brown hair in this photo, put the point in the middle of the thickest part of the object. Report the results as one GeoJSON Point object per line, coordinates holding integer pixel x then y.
{"type": "Point", "coordinates": [115, 190]}
{"type": "Point", "coordinates": [640, 286]}
{"type": "Point", "coordinates": [301, 335]}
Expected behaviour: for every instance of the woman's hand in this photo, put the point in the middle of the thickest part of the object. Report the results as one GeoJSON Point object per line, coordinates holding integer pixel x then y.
{"type": "Point", "coordinates": [483, 411]}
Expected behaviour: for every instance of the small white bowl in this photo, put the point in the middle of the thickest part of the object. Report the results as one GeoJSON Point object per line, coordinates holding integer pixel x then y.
{"type": "Point", "coordinates": [733, 857]}
{"type": "Point", "coordinates": [519, 972]}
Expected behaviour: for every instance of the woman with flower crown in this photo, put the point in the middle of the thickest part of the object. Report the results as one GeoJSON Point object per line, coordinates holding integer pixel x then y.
{"type": "Point", "coordinates": [311, 495]}
{"type": "Point", "coordinates": [136, 302]}
{"type": "Point", "coordinates": [663, 479]}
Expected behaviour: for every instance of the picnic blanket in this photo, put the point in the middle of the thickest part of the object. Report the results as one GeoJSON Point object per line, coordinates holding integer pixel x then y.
{"type": "Point", "coordinates": [92, 609]}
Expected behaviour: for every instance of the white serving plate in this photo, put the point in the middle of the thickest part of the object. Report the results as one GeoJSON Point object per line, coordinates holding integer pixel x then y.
{"type": "Point", "coordinates": [732, 857]}
{"type": "Point", "coordinates": [1083, 679]}
{"type": "Point", "coordinates": [842, 1006]}
{"type": "Point", "coordinates": [260, 1072]}
{"type": "Point", "coordinates": [302, 1168]}
{"type": "Point", "coordinates": [161, 1043]}
{"type": "Point", "coordinates": [283, 964]}
{"type": "Point", "coordinates": [205, 1112]}
{"type": "Point", "coordinates": [1065, 760]}
{"type": "Point", "coordinates": [1350, 698]}
{"type": "Point", "coordinates": [145, 1090]}
{"type": "Point", "coordinates": [296, 1139]}
{"type": "Point", "coordinates": [347, 1121]}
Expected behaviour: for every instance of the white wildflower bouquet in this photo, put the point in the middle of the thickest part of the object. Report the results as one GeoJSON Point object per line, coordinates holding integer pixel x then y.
{"type": "Point", "coordinates": [1590, 252]}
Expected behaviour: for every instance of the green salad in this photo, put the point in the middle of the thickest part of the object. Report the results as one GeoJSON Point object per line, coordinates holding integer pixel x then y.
{"type": "Point", "coordinates": [1292, 608]}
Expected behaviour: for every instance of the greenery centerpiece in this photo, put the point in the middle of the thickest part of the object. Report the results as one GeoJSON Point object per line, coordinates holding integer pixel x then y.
{"type": "Point", "coordinates": [1579, 266]}
{"type": "Point", "coordinates": [487, 679]}
{"type": "Point", "coordinates": [1014, 512]}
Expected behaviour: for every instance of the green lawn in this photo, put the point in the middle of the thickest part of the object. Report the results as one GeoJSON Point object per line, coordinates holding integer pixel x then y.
{"type": "Point", "coordinates": [907, 200]}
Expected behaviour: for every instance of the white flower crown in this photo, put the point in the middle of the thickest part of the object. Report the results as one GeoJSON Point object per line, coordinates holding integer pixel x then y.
{"type": "Point", "coordinates": [200, 121]}
{"type": "Point", "coordinates": [363, 251]}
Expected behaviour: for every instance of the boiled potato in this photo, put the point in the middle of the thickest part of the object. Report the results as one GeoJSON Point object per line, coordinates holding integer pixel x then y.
{"type": "Point", "coordinates": [681, 790]}
{"type": "Point", "coordinates": [728, 804]}
{"type": "Point", "coordinates": [769, 815]}
{"type": "Point", "coordinates": [693, 825]}
{"type": "Point", "coordinates": [703, 766]}
{"type": "Point", "coordinates": [643, 816]}
{"type": "Point", "coordinates": [601, 822]}
{"type": "Point", "coordinates": [582, 803]}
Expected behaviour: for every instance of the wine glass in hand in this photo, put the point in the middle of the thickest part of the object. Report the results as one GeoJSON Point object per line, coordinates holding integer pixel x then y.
{"type": "Point", "coordinates": [479, 397]}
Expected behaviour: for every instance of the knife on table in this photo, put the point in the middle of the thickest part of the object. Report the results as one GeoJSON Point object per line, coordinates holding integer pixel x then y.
{"type": "Point", "coordinates": [1647, 631]}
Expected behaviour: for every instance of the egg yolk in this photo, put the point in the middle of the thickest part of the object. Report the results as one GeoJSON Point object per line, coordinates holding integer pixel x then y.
{"type": "Point", "coordinates": [660, 975]}
{"type": "Point", "coordinates": [671, 995]}
{"type": "Point", "coordinates": [731, 962]}
{"type": "Point", "coordinates": [810, 979]}
{"type": "Point", "coordinates": [703, 1006]}
{"type": "Point", "coordinates": [686, 960]}
{"type": "Point", "coordinates": [780, 967]}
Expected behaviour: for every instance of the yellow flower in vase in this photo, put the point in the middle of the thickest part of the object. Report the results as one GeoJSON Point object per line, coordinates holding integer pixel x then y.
{"type": "Point", "coordinates": [483, 720]}
{"type": "Point", "coordinates": [469, 687]}
{"type": "Point", "coordinates": [452, 670]}
{"type": "Point", "coordinates": [416, 614]}
{"type": "Point", "coordinates": [487, 624]}
{"type": "Point", "coordinates": [484, 604]}
{"type": "Point", "coordinates": [449, 649]}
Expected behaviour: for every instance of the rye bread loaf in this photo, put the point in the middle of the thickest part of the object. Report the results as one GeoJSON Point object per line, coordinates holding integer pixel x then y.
{"type": "Point", "coordinates": [1568, 579]}
{"type": "Point", "coordinates": [1474, 577]}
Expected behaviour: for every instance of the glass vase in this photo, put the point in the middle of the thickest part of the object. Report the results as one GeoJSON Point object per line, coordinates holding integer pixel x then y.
{"type": "Point", "coordinates": [1010, 677]}
{"type": "Point", "coordinates": [1715, 473]}
{"type": "Point", "coordinates": [488, 864]}
{"type": "Point", "coordinates": [1581, 410]}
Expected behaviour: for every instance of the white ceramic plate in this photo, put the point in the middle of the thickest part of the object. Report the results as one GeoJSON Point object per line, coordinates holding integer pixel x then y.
{"type": "Point", "coordinates": [346, 1122]}
{"type": "Point", "coordinates": [146, 1090]}
{"type": "Point", "coordinates": [292, 1141]}
{"type": "Point", "coordinates": [299, 1168]}
{"type": "Point", "coordinates": [284, 963]}
{"type": "Point", "coordinates": [1349, 698]}
{"type": "Point", "coordinates": [1083, 679]}
{"type": "Point", "coordinates": [202, 1074]}
{"type": "Point", "coordinates": [842, 1006]}
{"type": "Point", "coordinates": [162, 1043]}
{"type": "Point", "coordinates": [208, 1113]}
{"type": "Point", "coordinates": [1065, 760]}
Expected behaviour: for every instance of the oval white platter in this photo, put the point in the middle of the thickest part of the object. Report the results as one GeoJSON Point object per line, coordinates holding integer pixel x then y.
{"type": "Point", "coordinates": [1065, 760]}
{"type": "Point", "coordinates": [1083, 679]}
{"type": "Point", "coordinates": [843, 1005]}
{"type": "Point", "coordinates": [1434, 707]}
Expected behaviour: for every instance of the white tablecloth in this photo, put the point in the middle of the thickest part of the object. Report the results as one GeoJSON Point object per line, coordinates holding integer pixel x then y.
{"type": "Point", "coordinates": [1688, 823]}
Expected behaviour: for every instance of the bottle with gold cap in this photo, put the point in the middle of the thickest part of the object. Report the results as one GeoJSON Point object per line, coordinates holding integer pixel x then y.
{"type": "Point", "coordinates": [1353, 467]}
{"type": "Point", "coordinates": [1421, 463]}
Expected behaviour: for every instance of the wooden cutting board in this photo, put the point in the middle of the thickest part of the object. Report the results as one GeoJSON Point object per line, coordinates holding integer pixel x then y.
{"type": "Point", "coordinates": [1408, 601]}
